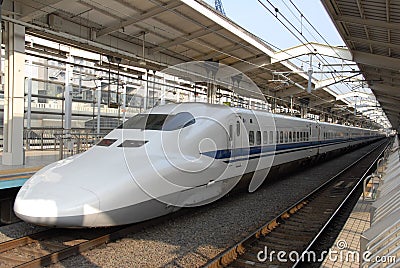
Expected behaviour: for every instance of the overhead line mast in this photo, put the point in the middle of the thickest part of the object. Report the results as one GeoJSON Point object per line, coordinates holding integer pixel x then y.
{"type": "Point", "coordinates": [219, 7]}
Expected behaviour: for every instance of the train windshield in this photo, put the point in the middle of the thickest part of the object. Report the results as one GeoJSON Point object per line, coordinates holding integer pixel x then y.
{"type": "Point", "coordinates": [165, 122]}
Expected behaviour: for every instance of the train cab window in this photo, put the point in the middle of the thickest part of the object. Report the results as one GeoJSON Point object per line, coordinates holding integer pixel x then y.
{"type": "Point", "coordinates": [271, 137]}
{"type": "Point", "coordinates": [258, 137]}
{"type": "Point", "coordinates": [178, 121]}
{"type": "Point", "coordinates": [238, 128]}
{"type": "Point", "coordinates": [145, 121]}
{"type": "Point", "coordinates": [164, 122]}
{"type": "Point", "coordinates": [265, 137]}
{"type": "Point", "coordinates": [251, 137]}
{"type": "Point", "coordinates": [281, 137]}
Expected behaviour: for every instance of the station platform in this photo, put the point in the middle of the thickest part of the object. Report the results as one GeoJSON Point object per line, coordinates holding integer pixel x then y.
{"type": "Point", "coordinates": [371, 234]}
{"type": "Point", "coordinates": [15, 176]}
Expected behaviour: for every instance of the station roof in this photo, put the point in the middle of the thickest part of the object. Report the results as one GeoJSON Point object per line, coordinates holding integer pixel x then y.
{"type": "Point", "coordinates": [172, 32]}
{"type": "Point", "coordinates": [371, 31]}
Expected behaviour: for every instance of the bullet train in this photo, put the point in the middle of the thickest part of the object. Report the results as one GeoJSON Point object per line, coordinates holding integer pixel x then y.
{"type": "Point", "coordinates": [174, 156]}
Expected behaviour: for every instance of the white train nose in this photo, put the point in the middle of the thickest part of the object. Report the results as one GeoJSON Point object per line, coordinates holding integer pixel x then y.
{"type": "Point", "coordinates": [66, 206]}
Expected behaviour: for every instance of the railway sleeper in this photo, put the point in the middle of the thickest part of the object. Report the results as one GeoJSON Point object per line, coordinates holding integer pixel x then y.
{"type": "Point", "coordinates": [291, 236]}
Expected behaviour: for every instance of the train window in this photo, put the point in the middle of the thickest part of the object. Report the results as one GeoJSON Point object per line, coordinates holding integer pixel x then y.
{"type": "Point", "coordinates": [251, 121]}
{"type": "Point", "coordinates": [258, 137]}
{"type": "Point", "coordinates": [265, 137]}
{"type": "Point", "coordinates": [230, 132]}
{"type": "Point", "coordinates": [277, 137]}
{"type": "Point", "coordinates": [251, 137]}
{"type": "Point", "coordinates": [281, 137]}
{"type": "Point", "coordinates": [298, 136]}
{"type": "Point", "coordinates": [145, 121]}
{"type": "Point", "coordinates": [290, 136]}
{"type": "Point", "coordinates": [294, 136]}
{"type": "Point", "coordinates": [238, 128]}
{"type": "Point", "coordinates": [286, 136]}
{"type": "Point", "coordinates": [271, 137]}
{"type": "Point", "coordinates": [178, 121]}
{"type": "Point", "coordinates": [159, 121]}
{"type": "Point", "coordinates": [301, 136]}
{"type": "Point", "coordinates": [307, 136]}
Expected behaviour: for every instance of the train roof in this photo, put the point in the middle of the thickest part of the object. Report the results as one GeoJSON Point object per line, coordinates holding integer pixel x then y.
{"type": "Point", "coordinates": [167, 108]}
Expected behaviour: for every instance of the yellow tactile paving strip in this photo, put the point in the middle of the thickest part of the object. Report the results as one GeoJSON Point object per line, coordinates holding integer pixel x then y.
{"type": "Point", "coordinates": [356, 224]}
{"type": "Point", "coordinates": [11, 172]}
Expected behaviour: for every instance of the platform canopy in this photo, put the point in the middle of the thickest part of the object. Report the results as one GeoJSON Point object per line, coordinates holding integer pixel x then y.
{"type": "Point", "coordinates": [169, 32]}
{"type": "Point", "coordinates": [371, 31]}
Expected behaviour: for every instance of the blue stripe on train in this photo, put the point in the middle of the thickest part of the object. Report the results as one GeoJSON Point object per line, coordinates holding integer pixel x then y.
{"type": "Point", "coordinates": [249, 151]}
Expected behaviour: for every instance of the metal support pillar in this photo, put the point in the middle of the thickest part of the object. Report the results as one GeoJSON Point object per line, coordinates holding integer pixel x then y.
{"type": "Point", "coordinates": [98, 91]}
{"type": "Point", "coordinates": [211, 69]}
{"type": "Point", "coordinates": [123, 96]}
{"type": "Point", "coordinates": [29, 106]}
{"type": "Point", "coordinates": [162, 98]}
{"type": "Point", "coordinates": [355, 105]}
{"type": "Point", "coordinates": [178, 95]}
{"type": "Point", "coordinates": [68, 101]}
{"type": "Point", "coordinates": [211, 93]}
{"type": "Point", "coordinates": [303, 111]}
{"type": "Point", "coordinates": [310, 72]}
{"type": "Point", "coordinates": [291, 105]}
{"type": "Point", "coordinates": [146, 90]}
{"type": "Point", "coordinates": [273, 105]}
{"type": "Point", "coordinates": [13, 153]}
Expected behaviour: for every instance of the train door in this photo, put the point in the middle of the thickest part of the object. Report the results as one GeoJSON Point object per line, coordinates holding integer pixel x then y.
{"type": "Point", "coordinates": [235, 143]}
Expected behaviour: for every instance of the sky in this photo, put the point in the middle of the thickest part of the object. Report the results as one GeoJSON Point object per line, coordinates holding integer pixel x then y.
{"type": "Point", "coordinates": [255, 18]}
{"type": "Point", "coordinates": [252, 16]}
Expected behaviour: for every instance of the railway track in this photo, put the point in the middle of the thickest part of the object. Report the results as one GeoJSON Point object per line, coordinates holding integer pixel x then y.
{"type": "Point", "coordinates": [53, 245]}
{"type": "Point", "coordinates": [295, 230]}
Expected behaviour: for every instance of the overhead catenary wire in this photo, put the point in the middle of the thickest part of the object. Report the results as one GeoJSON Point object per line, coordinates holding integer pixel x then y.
{"type": "Point", "coordinates": [275, 12]}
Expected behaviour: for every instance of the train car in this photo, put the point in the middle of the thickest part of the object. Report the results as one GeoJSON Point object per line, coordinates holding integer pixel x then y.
{"type": "Point", "coordinates": [174, 156]}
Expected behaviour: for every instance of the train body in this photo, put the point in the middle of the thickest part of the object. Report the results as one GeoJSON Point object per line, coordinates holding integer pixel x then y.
{"type": "Point", "coordinates": [174, 156]}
